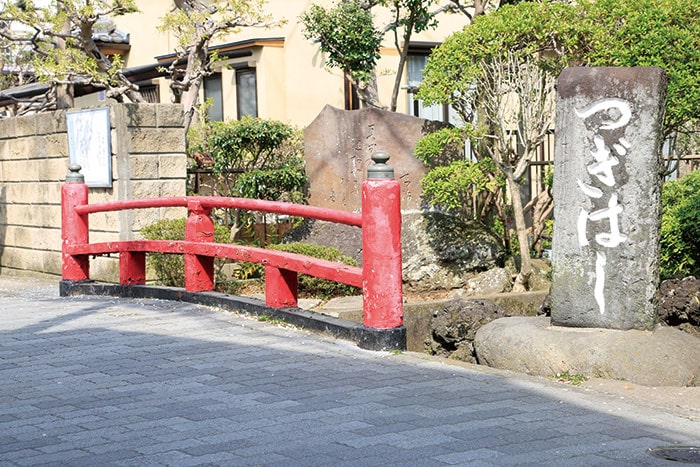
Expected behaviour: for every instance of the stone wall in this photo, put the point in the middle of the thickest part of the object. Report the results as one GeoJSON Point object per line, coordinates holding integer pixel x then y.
{"type": "Point", "coordinates": [148, 160]}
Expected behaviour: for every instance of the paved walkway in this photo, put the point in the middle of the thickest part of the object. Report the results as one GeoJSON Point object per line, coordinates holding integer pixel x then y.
{"type": "Point", "coordinates": [102, 381]}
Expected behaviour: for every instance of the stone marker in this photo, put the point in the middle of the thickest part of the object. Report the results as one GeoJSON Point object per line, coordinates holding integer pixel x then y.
{"type": "Point", "coordinates": [338, 146]}
{"type": "Point", "coordinates": [607, 197]}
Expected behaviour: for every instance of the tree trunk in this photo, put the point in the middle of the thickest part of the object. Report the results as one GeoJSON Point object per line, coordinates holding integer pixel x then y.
{"type": "Point", "coordinates": [399, 78]}
{"type": "Point", "coordinates": [64, 96]}
{"type": "Point", "coordinates": [367, 92]}
{"type": "Point", "coordinates": [189, 100]}
{"type": "Point", "coordinates": [523, 278]}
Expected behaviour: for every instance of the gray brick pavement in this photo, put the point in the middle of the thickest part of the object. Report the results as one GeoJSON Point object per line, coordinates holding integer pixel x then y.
{"type": "Point", "coordinates": [103, 381]}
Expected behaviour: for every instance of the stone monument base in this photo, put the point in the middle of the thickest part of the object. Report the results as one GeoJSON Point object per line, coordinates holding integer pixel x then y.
{"type": "Point", "coordinates": [531, 345]}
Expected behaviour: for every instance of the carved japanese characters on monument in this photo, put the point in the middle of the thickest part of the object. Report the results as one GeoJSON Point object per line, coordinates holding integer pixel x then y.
{"type": "Point", "coordinates": [607, 197]}
{"type": "Point", "coordinates": [602, 169]}
{"type": "Point", "coordinates": [339, 145]}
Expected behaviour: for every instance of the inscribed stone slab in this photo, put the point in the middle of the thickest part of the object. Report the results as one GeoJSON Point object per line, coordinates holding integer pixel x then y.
{"type": "Point", "coordinates": [338, 146]}
{"type": "Point", "coordinates": [607, 188]}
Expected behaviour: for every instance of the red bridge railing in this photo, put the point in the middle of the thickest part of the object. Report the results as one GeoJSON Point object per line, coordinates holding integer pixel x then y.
{"type": "Point", "coordinates": [380, 220]}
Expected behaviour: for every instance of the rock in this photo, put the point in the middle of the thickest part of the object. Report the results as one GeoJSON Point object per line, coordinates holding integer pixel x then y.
{"type": "Point", "coordinates": [346, 238]}
{"type": "Point", "coordinates": [438, 251]}
{"type": "Point", "coordinates": [441, 251]}
{"type": "Point", "coordinates": [679, 303]}
{"type": "Point", "coordinates": [664, 357]}
{"type": "Point", "coordinates": [338, 146]}
{"type": "Point", "coordinates": [454, 325]}
{"type": "Point", "coordinates": [606, 240]}
{"type": "Point", "coordinates": [546, 307]}
{"type": "Point", "coordinates": [495, 280]}
{"type": "Point", "coordinates": [541, 277]}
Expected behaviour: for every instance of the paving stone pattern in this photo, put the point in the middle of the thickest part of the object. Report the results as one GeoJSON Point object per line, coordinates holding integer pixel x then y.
{"type": "Point", "coordinates": [103, 381]}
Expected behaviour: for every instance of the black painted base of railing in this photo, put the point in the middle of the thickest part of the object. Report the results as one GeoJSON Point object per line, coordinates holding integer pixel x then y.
{"type": "Point", "coordinates": [364, 337]}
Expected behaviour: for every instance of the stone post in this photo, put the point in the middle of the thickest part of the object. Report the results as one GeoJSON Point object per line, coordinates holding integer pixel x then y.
{"type": "Point", "coordinates": [607, 197]}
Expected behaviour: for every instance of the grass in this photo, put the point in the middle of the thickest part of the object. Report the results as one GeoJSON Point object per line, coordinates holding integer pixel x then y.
{"type": "Point", "coordinates": [276, 321]}
{"type": "Point", "coordinates": [567, 377]}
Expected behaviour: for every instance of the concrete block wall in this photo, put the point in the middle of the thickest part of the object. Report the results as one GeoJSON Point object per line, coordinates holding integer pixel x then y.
{"type": "Point", "coordinates": [148, 160]}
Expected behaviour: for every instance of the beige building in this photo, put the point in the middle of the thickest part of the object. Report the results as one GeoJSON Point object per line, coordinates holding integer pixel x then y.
{"type": "Point", "coordinates": [276, 73]}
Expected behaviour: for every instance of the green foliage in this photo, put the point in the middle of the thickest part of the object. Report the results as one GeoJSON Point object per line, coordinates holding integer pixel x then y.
{"type": "Point", "coordinates": [314, 286]}
{"type": "Point", "coordinates": [245, 144]}
{"type": "Point", "coordinates": [453, 184]}
{"type": "Point", "coordinates": [570, 378]}
{"type": "Point", "coordinates": [591, 32]}
{"type": "Point", "coordinates": [170, 269]}
{"type": "Point", "coordinates": [60, 35]}
{"type": "Point", "coordinates": [453, 187]}
{"type": "Point", "coordinates": [347, 34]}
{"type": "Point", "coordinates": [253, 158]}
{"type": "Point", "coordinates": [663, 33]}
{"type": "Point", "coordinates": [680, 228]}
{"type": "Point", "coordinates": [284, 182]}
{"type": "Point", "coordinates": [442, 146]}
{"type": "Point", "coordinates": [545, 31]}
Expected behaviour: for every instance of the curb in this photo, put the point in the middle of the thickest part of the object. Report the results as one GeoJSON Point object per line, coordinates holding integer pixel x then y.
{"type": "Point", "coordinates": [364, 337]}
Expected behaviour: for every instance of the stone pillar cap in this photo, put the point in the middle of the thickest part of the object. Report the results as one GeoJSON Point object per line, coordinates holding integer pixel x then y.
{"type": "Point", "coordinates": [74, 175]}
{"type": "Point", "coordinates": [380, 169]}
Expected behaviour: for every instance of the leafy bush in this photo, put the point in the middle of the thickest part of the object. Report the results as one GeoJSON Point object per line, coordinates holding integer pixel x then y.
{"type": "Point", "coordinates": [680, 227]}
{"type": "Point", "coordinates": [442, 146]}
{"type": "Point", "coordinates": [170, 269]}
{"type": "Point", "coordinates": [462, 188]}
{"type": "Point", "coordinates": [239, 144]}
{"type": "Point", "coordinates": [251, 158]}
{"type": "Point", "coordinates": [314, 286]}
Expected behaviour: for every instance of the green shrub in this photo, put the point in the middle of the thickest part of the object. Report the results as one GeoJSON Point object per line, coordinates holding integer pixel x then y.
{"type": "Point", "coordinates": [251, 158]}
{"type": "Point", "coordinates": [442, 146]}
{"type": "Point", "coordinates": [170, 268]}
{"type": "Point", "coordinates": [311, 286]}
{"type": "Point", "coordinates": [680, 227]}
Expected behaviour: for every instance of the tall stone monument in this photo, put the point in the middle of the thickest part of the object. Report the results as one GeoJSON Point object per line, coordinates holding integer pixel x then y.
{"type": "Point", "coordinates": [607, 197]}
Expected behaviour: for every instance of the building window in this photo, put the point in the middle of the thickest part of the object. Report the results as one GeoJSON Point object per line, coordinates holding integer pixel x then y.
{"type": "Point", "coordinates": [414, 74]}
{"type": "Point", "coordinates": [150, 92]}
{"type": "Point", "coordinates": [213, 91]}
{"type": "Point", "coordinates": [246, 92]}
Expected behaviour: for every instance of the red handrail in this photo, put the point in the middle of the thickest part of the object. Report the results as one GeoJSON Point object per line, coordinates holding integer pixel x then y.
{"type": "Point", "coordinates": [380, 220]}
{"type": "Point", "coordinates": [277, 207]}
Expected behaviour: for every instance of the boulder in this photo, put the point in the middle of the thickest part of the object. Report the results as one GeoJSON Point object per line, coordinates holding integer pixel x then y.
{"type": "Point", "coordinates": [442, 252]}
{"type": "Point", "coordinates": [541, 277]}
{"type": "Point", "coordinates": [346, 238]}
{"type": "Point", "coordinates": [339, 144]}
{"type": "Point", "coordinates": [662, 357]}
{"type": "Point", "coordinates": [438, 251]}
{"type": "Point", "coordinates": [679, 304]}
{"type": "Point", "coordinates": [493, 281]}
{"type": "Point", "coordinates": [455, 323]}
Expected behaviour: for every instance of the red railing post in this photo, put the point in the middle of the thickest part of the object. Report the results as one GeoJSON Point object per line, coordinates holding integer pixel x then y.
{"type": "Point", "coordinates": [199, 270]}
{"type": "Point", "coordinates": [381, 246]}
{"type": "Point", "coordinates": [280, 287]}
{"type": "Point", "coordinates": [132, 268]}
{"type": "Point", "coordinates": [74, 227]}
